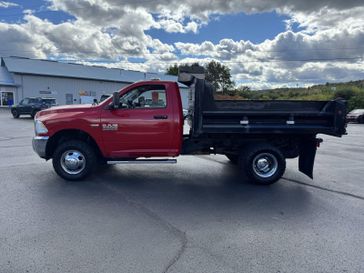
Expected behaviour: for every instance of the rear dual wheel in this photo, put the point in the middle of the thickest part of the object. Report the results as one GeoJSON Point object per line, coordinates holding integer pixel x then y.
{"type": "Point", "coordinates": [262, 163]}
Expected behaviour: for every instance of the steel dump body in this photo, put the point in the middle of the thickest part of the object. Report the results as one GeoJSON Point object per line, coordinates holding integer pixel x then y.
{"type": "Point", "coordinates": [211, 116]}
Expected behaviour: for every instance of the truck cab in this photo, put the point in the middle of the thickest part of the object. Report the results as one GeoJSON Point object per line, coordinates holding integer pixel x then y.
{"type": "Point", "coordinates": [147, 122]}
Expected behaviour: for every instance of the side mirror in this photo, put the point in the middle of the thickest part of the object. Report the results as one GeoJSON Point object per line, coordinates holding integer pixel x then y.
{"type": "Point", "coordinates": [115, 100]}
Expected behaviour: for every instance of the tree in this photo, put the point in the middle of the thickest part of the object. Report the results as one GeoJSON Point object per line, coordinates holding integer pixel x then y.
{"type": "Point", "coordinates": [219, 76]}
{"type": "Point", "coordinates": [216, 73]}
{"type": "Point", "coordinates": [173, 70]}
{"type": "Point", "coordinates": [244, 91]}
{"type": "Point", "coordinates": [356, 102]}
{"type": "Point", "coordinates": [345, 94]}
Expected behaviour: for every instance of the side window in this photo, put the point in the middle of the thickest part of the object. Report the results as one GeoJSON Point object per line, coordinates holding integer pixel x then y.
{"type": "Point", "coordinates": [147, 96]}
{"type": "Point", "coordinates": [25, 101]}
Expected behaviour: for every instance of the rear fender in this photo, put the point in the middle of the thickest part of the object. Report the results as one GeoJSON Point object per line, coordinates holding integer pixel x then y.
{"type": "Point", "coordinates": [307, 156]}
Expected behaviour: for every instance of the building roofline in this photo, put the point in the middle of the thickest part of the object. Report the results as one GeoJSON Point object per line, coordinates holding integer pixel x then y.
{"type": "Point", "coordinates": [73, 63]}
{"type": "Point", "coordinates": [71, 77]}
{"type": "Point", "coordinates": [8, 84]}
{"type": "Point", "coordinates": [18, 65]}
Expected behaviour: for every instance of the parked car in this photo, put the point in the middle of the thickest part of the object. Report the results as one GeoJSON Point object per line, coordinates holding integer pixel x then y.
{"type": "Point", "coordinates": [356, 115]}
{"type": "Point", "coordinates": [143, 123]}
{"type": "Point", "coordinates": [31, 105]}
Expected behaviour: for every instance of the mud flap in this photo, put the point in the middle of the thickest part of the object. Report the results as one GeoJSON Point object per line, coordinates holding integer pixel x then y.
{"type": "Point", "coordinates": [307, 156]}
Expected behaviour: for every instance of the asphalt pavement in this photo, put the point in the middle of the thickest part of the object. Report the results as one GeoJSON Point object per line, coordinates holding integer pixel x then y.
{"type": "Point", "coordinates": [195, 216]}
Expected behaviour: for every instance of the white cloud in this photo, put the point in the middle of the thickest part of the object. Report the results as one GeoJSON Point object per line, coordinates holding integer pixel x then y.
{"type": "Point", "coordinates": [202, 9]}
{"type": "Point", "coordinates": [108, 30]}
{"type": "Point", "coordinates": [4, 4]}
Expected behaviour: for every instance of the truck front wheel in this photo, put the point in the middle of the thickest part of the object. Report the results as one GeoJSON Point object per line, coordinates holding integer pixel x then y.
{"type": "Point", "coordinates": [74, 160]}
{"type": "Point", "coordinates": [263, 164]}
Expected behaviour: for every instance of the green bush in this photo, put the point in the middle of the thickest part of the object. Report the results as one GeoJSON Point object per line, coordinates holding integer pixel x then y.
{"type": "Point", "coordinates": [352, 92]}
{"type": "Point", "coordinates": [345, 94]}
{"type": "Point", "coordinates": [356, 102]}
{"type": "Point", "coordinates": [231, 92]}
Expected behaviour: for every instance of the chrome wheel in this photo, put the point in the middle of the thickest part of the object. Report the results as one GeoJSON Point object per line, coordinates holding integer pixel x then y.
{"type": "Point", "coordinates": [73, 162]}
{"type": "Point", "coordinates": [265, 165]}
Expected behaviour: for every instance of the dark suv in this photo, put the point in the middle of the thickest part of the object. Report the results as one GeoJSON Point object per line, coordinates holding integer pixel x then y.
{"type": "Point", "coordinates": [30, 106]}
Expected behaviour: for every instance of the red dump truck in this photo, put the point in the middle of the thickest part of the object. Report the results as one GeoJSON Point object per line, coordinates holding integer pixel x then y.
{"type": "Point", "coordinates": [143, 123]}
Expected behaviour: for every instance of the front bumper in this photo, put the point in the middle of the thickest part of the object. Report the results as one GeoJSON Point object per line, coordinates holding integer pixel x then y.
{"type": "Point", "coordinates": [40, 145]}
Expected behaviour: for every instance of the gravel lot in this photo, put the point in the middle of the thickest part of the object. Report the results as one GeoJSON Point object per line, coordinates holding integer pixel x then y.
{"type": "Point", "coordinates": [195, 216]}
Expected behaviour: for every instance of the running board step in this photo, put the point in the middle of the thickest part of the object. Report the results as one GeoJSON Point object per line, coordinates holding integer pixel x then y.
{"type": "Point", "coordinates": [143, 161]}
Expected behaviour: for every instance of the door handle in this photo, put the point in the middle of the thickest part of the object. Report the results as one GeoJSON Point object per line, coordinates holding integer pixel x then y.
{"type": "Point", "coordinates": [160, 117]}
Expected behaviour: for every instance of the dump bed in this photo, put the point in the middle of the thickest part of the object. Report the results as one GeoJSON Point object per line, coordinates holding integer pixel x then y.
{"type": "Point", "coordinates": [209, 116]}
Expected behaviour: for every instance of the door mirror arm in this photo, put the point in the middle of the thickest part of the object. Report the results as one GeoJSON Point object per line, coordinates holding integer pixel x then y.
{"type": "Point", "coordinates": [115, 100]}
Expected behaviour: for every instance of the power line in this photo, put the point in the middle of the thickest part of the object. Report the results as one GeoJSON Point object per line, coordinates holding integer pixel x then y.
{"type": "Point", "coordinates": [256, 51]}
{"type": "Point", "coordinates": [191, 62]}
{"type": "Point", "coordinates": [311, 49]}
{"type": "Point", "coordinates": [142, 55]}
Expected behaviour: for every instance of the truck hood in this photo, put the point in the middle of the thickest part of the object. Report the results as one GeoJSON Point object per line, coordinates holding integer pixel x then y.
{"type": "Point", "coordinates": [76, 108]}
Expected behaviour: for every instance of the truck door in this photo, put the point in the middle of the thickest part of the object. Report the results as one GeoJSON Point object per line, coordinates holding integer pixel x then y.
{"type": "Point", "coordinates": [143, 124]}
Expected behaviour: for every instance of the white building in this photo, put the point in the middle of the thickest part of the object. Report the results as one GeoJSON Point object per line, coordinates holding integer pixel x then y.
{"type": "Point", "coordinates": [68, 83]}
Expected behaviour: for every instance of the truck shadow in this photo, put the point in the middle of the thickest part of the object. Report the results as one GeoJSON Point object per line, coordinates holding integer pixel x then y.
{"type": "Point", "coordinates": [184, 191]}
{"type": "Point", "coordinates": [188, 193]}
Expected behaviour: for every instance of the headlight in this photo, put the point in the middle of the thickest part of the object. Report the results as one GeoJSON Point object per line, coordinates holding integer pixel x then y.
{"type": "Point", "coordinates": [40, 128]}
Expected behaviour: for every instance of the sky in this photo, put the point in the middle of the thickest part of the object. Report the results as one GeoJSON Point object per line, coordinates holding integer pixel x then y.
{"type": "Point", "coordinates": [265, 43]}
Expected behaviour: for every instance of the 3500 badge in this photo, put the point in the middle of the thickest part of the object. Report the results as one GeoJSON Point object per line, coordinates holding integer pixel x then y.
{"type": "Point", "coordinates": [109, 127]}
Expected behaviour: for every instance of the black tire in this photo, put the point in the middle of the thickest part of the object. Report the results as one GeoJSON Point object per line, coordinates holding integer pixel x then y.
{"type": "Point", "coordinates": [33, 113]}
{"type": "Point", "coordinates": [361, 119]}
{"type": "Point", "coordinates": [272, 164]}
{"type": "Point", "coordinates": [15, 113]}
{"type": "Point", "coordinates": [234, 159]}
{"type": "Point", "coordinates": [69, 149]}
